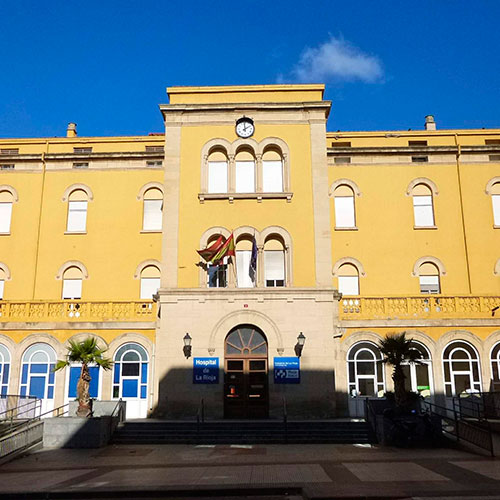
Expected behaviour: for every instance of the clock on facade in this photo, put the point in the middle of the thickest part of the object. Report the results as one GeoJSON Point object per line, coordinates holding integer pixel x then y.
{"type": "Point", "coordinates": [245, 127]}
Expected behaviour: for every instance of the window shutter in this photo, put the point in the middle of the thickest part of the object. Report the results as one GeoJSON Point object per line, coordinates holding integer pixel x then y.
{"type": "Point", "coordinates": [149, 286]}
{"type": "Point", "coordinates": [217, 177]}
{"type": "Point", "coordinates": [243, 268]}
{"type": "Point", "coordinates": [72, 289]}
{"type": "Point", "coordinates": [245, 176]}
{"type": "Point", "coordinates": [272, 176]}
{"type": "Point", "coordinates": [495, 199]}
{"type": "Point", "coordinates": [152, 215]}
{"type": "Point", "coordinates": [344, 211]}
{"type": "Point", "coordinates": [5, 217]}
{"type": "Point", "coordinates": [77, 216]}
{"type": "Point", "coordinates": [429, 284]}
{"type": "Point", "coordinates": [422, 211]}
{"type": "Point", "coordinates": [348, 285]}
{"type": "Point", "coordinates": [274, 265]}
{"type": "Point", "coordinates": [2, 284]}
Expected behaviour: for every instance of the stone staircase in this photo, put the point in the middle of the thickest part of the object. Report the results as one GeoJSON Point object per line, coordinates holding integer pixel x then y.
{"type": "Point", "coordinates": [243, 432]}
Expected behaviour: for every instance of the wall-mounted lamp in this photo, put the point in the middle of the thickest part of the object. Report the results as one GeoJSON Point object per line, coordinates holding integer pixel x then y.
{"type": "Point", "coordinates": [187, 346]}
{"type": "Point", "coordinates": [301, 340]}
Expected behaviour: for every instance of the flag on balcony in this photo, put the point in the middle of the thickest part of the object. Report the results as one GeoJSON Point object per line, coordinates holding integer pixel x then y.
{"type": "Point", "coordinates": [207, 253]}
{"type": "Point", "coordinates": [252, 269]}
{"type": "Point", "coordinates": [227, 250]}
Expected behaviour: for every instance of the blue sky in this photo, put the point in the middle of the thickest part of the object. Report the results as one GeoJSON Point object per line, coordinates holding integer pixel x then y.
{"type": "Point", "coordinates": [386, 64]}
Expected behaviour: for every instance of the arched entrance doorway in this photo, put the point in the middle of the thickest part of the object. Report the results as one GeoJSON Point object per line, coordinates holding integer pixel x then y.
{"type": "Point", "coordinates": [246, 384]}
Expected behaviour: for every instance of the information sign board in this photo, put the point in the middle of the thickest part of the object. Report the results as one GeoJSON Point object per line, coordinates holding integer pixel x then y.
{"type": "Point", "coordinates": [205, 370]}
{"type": "Point", "coordinates": [287, 370]}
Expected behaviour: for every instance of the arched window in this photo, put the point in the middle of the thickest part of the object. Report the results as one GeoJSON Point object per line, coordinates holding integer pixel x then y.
{"type": "Point", "coordinates": [77, 211]}
{"type": "Point", "coordinates": [217, 172]}
{"type": "Point", "coordinates": [130, 378]}
{"type": "Point", "coordinates": [419, 376]}
{"type": "Point", "coordinates": [150, 281]}
{"type": "Point", "coordinates": [72, 283]}
{"type": "Point", "coordinates": [365, 369]}
{"type": "Point", "coordinates": [37, 372]}
{"type": "Point", "coordinates": [348, 279]}
{"type": "Point", "coordinates": [274, 262]}
{"type": "Point", "coordinates": [495, 200]}
{"type": "Point", "coordinates": [217, 274]}
{"type": "Point", "coordinates": [245, 171]}
{"type": "Point", "coordinates": [461, 369]}
{"type": "Point", "coordinates": [428, 275]}
{"type": "Point", "coordinates": [6, 200]}
{"type": "Point", "coordinates": [495, 367]}
{"type": "Point", "coordinates": [272, 171]}
{"type": "Point", "coordinates": [4, 370]}
{"type": "Point", "coordinates": [344, 207]}
{"type": "Point", "coordinates": [152, 216]}
{"type": "Point", "coordinates": [423, 210]}
{"type": "Point", "coordinates": [245, 273]}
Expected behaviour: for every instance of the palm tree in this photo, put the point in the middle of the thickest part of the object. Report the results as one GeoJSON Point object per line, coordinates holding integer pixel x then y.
{"type": "Point", "coordinates": [85, 352]}
{"type": "Point", "coordinates": [397, 349]}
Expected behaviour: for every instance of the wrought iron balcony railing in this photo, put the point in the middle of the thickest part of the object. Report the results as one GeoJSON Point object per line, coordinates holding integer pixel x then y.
{"type": "Point", "coordinates": [76, 310]}
{"type": "Point", "coordinates": [423, 306]}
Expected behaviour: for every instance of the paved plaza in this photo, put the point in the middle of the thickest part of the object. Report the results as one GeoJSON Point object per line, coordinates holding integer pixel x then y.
{"type": "Point", "coordinates": [261, 471]}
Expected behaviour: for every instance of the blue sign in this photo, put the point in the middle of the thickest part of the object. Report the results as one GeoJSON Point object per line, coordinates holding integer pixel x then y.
{"type": "Point", "coordinates": [287, 370]}
{"type": "Point", "coordinates": [205, 370]}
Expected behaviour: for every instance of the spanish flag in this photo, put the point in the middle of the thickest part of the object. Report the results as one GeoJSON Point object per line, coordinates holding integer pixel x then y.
{"type": "Point", "coordinates": [218, 250]}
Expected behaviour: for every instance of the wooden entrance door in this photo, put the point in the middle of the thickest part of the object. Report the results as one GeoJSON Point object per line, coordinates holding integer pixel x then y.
{"type": "Point", "coordinates": [246, 385]}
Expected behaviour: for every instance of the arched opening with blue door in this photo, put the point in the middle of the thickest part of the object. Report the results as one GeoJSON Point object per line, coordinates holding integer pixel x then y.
{"type": "Point", "coordinates": [4, 370]}
{"type": "Point", "coordinates": [37, 374]}
{"type": "Point", "coordinates": [130, 378]}
{"type": "Point", "coordinates": [95, 381]}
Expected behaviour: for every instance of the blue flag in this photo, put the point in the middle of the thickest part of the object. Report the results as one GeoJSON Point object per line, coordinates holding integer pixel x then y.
{"type": "Point", "coordinates": [252, 270]}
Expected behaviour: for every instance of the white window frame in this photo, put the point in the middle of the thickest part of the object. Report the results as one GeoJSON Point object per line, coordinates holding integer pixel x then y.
{"type": "Point", "coordinates": [475, 385]}
{"type": "Point", "coordinates": [243, 279]}
{"type": "Point", "coordinates": [345, 212]}
{"type": "Point", "coordinates": [217, 177]}
{"type": "Point", "coordinates": [149, 286]}
{"type": "Point", "coordinates": [273, 277]}
{"type": "Point", "coordinates": [424, 287]}
{"type": "Point", "coordinates": [495, 202]}
{"type": "Point", "coordinates": [423, 211]}
{"type": "Point", "coordinates": [5, 217]}
{"type": "Point", "coordinates": [152, 215]}
{"type": "Point", "coordinates": [72, 289]}
{"type": "Point", "coordinates": [272, 176]}
{"type": "Point", "coordinates": [378, 385]}
{"type": "Point", "coordinates": [77, 216]}
{"type": "Point", "coordinates": [245, 176]}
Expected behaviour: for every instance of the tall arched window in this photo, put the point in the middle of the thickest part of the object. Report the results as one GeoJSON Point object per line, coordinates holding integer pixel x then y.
{"type": "Point", "coordinates": [272, 171]}
{"type": "Point", "coordinates": [419, 376]}
{"type": "Point", "coordinates": [348, 279]}
{"type": "Point", "coordinates": [77, 211]}
{"type": "Point", "coordinates": [245, 171]}
{"type": "Point", "coordinates": [495, 200]}
{"type": "Point", "coordinates": [217, 172]}
{"type": "Point", "coordinates": [274, 262]}
{"type": "Point", "coordinates": [461, 369]}
{"type": "Point", "coordinates": [72, 283]}
{"type": "Point", "coordinates": [37, 373]}
{"type": "Point", "coordinates": [6, 200]}
{"type": "Point", "coordinates": [495, 367]}
{"type": "Point", "coordinates": [428, 275]}
{"type": "Point", "coordinates": [4, 370]}
{"type": "Point", "coordinates": [150, 281]}
{"type": "Point", "coordinates": [365, 369]}
{"type": "Point", "coordinates": [423, 210]}
{"type": "Point", "coordinates": [152, 216]}
{"type": "Point", "coordinates": [245, 275]}
{"type": "Point", "coordinates": [344, 207]}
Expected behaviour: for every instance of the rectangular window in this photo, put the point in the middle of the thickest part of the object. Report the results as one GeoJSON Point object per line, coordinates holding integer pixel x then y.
{"type": "Point", "coordinates": [217, 177]}
{"type": "Point", "coordinates": [243, 269]}
{"type": "Point", "coordinates": [348, 285]}
{"type": "Point", "coordinates": [9, 151]}
{"type": "Point", "coordinates": [495, 199]}
{"type": "Point", "coordinates": [272, 176]}
{"type": "Point", "coordinates": [419, 159]}
{"type": "Point", "coordinates": [429, 284]}
{"type": "Point", "coordinates": [80, 165]}
{"type": "Point", "coordinates": [72, 289]}
{"type": "Point", "coordinates": [245, 177]}
{"type": "Point", "coordinates": [494, 157]}
{"type": "Point", "coordinates": [417, 143]}
{"type": "Point", "coordinates": [77, 217]}
{"type": "Point", "coordinates": [5, 217]}
{"type": "Point", "coordinates": [154, 163]}
{"type": "Point", "coordinates": [344, 211]}
{"type": "Point", "coordinates": [81, 151]}
{"type": "Point", "coordinates": [274, 268]}
{"type": "Point", "coordinates": [7, 166]}
{"type": "Point", "coordinates": [342, 160]}
{"type": "Point", "coordinates": [152, 215]}
{"type": "Point", "coordinates": [341, 145]}
{"type": "Point", "coordinates": [149, 286]}
{"type": "Point", "coordinates": [2, 284]}
{"type": "Point", "coordinates": [155, 149]}
{"type": "Point", "coordinates": [422, 211]}
{"type": "Point", "coordinates": [492, 142]}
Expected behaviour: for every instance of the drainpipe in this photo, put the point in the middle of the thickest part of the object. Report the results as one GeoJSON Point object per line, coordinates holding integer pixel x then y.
{"type": "Point", "coordinates": [459, 152]}
{"type": "Point", "coordinates": [44, 168]}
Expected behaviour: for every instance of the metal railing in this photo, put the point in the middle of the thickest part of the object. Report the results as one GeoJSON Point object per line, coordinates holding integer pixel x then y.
{"type": "Point", "coordinates": [117, 412]}
{"type": "Point", "coordinates": [422, 306]}
{"type": "Point", "coordinates": [479, 405]}
{"type": "Point", "coordinates": [285, 419]}
{"type": "Point", "coordinates": [371, 416]}
{"type": "Point", "coordinates": [200, 417]}
{"type": "Point", "coordinates": [454, 425]}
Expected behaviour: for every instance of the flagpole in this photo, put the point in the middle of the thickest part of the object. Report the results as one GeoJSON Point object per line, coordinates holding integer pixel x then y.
{"type": "Point", "coordinates": [235, 266]}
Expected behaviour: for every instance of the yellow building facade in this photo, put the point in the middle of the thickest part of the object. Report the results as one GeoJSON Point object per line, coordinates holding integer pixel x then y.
{"type": "Point", "coordinates": [340, 238]}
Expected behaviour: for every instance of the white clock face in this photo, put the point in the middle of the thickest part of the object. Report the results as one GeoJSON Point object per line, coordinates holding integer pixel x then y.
{"type": "Point", "coordinates": [245, 128]}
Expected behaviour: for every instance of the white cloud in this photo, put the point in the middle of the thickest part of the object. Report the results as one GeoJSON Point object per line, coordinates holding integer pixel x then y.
{"type": "Point", "coordinates": [337, 60]}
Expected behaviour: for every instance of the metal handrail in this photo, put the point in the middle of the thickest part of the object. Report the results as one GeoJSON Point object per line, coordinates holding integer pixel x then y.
{"type": "Point", "coordinates": [370, 415]}
{"type": "Point", "coordinates": [30, 403]}
{"type": "Point", "coordinates": [200, 417]}
{"type": "Point", "coordinates": [285, 419]}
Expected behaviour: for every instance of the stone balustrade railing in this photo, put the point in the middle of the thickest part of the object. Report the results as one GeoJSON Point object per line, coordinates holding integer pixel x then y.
{"type": "Point", "coordinates": [423, 306]}
{"type": "Point", "coordinates": [76, 310]}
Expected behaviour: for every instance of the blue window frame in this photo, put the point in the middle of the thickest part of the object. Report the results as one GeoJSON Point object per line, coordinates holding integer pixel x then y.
{"type": "Point", "coordinates": [130, 376]}
{"type": "Point", "coordinates": [37, 371]}
{"type": "Point", "coordinates": [4, 370]}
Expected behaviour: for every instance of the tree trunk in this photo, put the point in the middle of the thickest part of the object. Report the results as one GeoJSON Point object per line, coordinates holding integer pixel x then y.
{"type": "Point", "coordinates": [82, 393]}
{"type": "Point", "coordinates": [398, 377]}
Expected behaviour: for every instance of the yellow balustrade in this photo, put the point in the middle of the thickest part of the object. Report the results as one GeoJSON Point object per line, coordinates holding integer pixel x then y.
{"type": "Point", "coordinates": [423, 306]}
{"type": "Point", "coordinates": [76, 310]}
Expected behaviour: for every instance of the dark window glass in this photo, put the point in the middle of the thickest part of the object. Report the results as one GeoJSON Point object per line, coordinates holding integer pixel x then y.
{"type": "Point", "coordinates": [130, 369]}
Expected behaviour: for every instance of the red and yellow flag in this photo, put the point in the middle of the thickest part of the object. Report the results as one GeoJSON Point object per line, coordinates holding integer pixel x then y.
{"type": "Point", "coordinates": [218, 250]}
{"type": "Point", "coordinates": [208, 253]}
